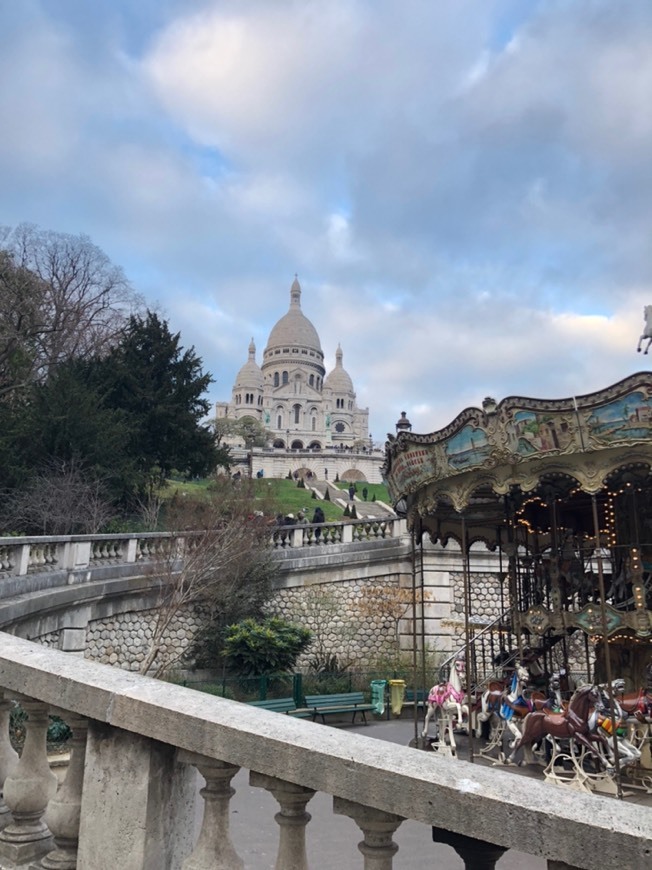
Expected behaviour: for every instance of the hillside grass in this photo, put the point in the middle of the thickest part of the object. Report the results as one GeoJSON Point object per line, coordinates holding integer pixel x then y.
{"type": "Point", "coordinates": [274, 496]}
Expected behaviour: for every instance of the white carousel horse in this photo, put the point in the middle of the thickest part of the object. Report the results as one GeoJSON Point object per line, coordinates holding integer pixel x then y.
{"type": "Point", "coordinates": [647, 331]}
{"type": "Point", "coordinates": [503, 706]}
{"type": "Point", "coordinates": [447, 703]}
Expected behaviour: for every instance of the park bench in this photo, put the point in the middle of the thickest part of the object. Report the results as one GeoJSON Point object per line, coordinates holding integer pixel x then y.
{"type": "Point", "coordinates": [421, 698]}
{"type": "Point", "coordinates": [281, 705]}
{"type": "Point", "coordinates": [346, 702]}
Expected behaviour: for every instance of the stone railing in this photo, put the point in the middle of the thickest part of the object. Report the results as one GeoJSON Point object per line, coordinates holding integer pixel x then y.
{"type": "Point", "coordinates": [37, 555]}
{"type": "Point", "coordinates": [130, 796]}
{"type": "Point", "coordinates": [321, 535]}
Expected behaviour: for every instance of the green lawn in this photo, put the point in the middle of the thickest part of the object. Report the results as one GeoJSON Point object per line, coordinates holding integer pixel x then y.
{"type": "Point", "coordinates": [379, 489]}
{"type": "Point", "coordinates": [275, 496]}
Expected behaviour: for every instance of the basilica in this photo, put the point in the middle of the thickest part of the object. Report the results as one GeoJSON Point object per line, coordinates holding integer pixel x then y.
{"type": "Point", "coordinates": [290, 394]}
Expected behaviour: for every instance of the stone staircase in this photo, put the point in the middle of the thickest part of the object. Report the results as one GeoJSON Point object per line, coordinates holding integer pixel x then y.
{"type": "Point", "coordinates": [364, 509]}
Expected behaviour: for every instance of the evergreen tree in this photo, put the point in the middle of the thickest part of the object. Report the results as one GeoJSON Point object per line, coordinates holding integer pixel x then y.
{"type": "Point", "coordinates": [160, 386]}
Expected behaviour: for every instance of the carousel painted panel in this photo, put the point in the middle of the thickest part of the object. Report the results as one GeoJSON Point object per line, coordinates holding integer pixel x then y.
{"type": "Point", "coordinates": [626, 419]}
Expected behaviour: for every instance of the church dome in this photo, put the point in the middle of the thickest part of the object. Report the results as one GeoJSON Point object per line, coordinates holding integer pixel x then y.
{"type": "Point", "coordinates": [339, 380]}
{"type": "Point", "coordinates": [294, 329]}
{"type": "Point", "coordinates": [250, 377]}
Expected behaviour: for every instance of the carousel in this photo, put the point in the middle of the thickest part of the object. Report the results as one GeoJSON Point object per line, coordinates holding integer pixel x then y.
{"type": "Point", "coordinates": [562, 491]}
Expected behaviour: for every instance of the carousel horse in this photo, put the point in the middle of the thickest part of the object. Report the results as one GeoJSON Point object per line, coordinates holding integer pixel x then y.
{"type": "Point", "coordinates": [507, 704]}
{"type": "Point", "coordinates": [447, 701]}
{"type": "Point", "coordinates": [627, 752]}
{"type": "Point", "coordinates": [573, 723]}
{"type": "Point", "coordinates": [647, 331]}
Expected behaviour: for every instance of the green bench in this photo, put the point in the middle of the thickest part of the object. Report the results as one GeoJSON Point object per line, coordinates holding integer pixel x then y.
{"type": "Point", "coordinates": [421, 698]}
{"type": "Point", "coordinates": [346, 702]}
{"type": "Point", "coordinates": [281, 705]}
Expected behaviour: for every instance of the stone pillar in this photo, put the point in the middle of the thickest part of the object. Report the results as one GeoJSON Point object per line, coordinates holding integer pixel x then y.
{"type": "Point", "coordinates": [138, 808]}
{"type": "Point", "coordinates": [378, 828]}
{"type": "Point", "coordinates": [73, 640]}
{"type": "Point", "coordinates": [476, 854]}
{"type": "Point", "coordinates": [64, 810]}
{"type": "Point", "coordinates": [27, 791]}
{"type": "Point", "coordinates": [8, 756]}
{"type": "Point", "coordinates": [214, 849]}
{"type": "Point", "coordinates": [292, 819]}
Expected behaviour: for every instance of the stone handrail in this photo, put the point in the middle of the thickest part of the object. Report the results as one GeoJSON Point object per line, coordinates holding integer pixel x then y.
{"type": "Point", "coordinates": [20, 556]}
{"type": "Point", "coordinates": [127, 800]}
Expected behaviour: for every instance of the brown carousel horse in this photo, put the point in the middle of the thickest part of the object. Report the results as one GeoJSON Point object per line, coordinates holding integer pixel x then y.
{"type": "Point", "coordinates": [574, 723]}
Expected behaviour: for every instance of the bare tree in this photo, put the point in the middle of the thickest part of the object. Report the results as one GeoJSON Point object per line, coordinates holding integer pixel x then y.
{"type": "Point", "coordinates": [224, 571]}
{"type": "Point", "coordinates": [83, 300]}
{"type": "Point", "coordinates": [62, 499]}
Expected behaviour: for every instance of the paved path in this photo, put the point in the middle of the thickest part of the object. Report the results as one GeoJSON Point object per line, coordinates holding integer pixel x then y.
{"type": "Point", "coordinates": [332, 840]}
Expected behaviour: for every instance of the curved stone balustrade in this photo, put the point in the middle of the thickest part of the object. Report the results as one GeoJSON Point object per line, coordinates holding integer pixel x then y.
{"type": "Point", "coordinates": [130, 799]}
{"type": "Point", "coordinates": [33, 555]}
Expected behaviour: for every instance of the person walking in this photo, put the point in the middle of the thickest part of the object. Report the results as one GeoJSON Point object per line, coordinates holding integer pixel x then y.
{"type": "Point", "coordinates": [351, 492]}
{"type": "Point", "coordinates": [318, 517]}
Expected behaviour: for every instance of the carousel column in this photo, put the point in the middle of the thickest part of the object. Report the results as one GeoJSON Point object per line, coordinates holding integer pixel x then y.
{"type": "Point", "coordinates": [214, 849]}
{"type": "Point", "coordinates": [8, 756]}
{"type": "Point", "coordinates": [476, 854]}
{"type": "Point", "coordinates": [292, 819]}
{"type": "Point", "coordinates": [378, 828]}
{"type": "Point", "coordinates": [64, 810]}
{"type": "Point", "coordinates": [27, 792]}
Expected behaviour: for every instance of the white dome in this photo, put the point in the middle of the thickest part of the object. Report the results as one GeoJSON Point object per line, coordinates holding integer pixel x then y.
{"type": "Point", "coordinates": [294, 329]}
{"type": "Point", "coordinates": [250, 377]}
{"type": "Point", "coordinates": [339, 380]}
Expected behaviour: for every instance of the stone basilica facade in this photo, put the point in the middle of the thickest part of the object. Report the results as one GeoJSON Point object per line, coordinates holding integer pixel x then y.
{"type": "Point", "coordinates": [291, 394]}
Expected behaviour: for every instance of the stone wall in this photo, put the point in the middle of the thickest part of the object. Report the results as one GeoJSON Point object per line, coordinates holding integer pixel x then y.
{"type": "Point", "coordinates": [340, 621]}
{"type": "Point", "coordinates": [124, 640]}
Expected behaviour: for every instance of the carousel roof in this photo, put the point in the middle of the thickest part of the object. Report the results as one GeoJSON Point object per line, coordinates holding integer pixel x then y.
{"type": "Point", "coordinates": [582, 444]}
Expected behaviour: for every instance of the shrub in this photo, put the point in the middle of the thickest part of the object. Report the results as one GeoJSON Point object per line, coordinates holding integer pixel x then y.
{"type": "Point", "coordinates": [353, 513]}
{"type": "Point", "coordinates": [373, 497]}
{"type": "Point", "coordinates": [301, 483]}
{"type": "Point", "coordinates": [347, 512]}
{"type": "Point", "coordinates": [270, 646]}
{"type": "Point", "coordinates": [327, 496]}
{"type": "Point", "coordinates": [313, 494]}
{"type": "Point", "coordinates": [337, 478]}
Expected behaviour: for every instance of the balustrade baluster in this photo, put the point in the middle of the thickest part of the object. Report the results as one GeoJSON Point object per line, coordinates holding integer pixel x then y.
{"type": "Point", "coordinates": [292, 819]}
{"type": "Point", "coordinates": [63, 814]}
{"type": "Point", "coordinates": [476, 854]}
{"type": "Point", "coordinates": [27, 791]}
{"type": "Point", "coordinates": [214, 849]}
{"type": "Point", "coordinates": [8, 755]}
{"type": "Point", "coordinates": [378, 828]}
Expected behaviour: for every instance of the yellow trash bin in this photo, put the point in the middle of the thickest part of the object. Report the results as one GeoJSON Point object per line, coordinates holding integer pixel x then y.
{"type": "Point", "coordinates": [396, 696]}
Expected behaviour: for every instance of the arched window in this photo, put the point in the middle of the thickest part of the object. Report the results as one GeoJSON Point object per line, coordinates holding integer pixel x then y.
{"type": "Point", "coordinates": [276, 379]}
{"type": "Point", "coordinates": [314, 424]}
{"type": "Point", "coordinates": [285, 377]}
{"type": "Point", "coordinates": [311, 380]}
{"type": "Point", "coordinates": [297, 413]}
{"type": "Point", "coordinates": [279, 422]}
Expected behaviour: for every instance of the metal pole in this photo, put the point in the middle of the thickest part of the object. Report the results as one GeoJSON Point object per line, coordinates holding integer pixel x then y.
{"type": "Point", "coordinates": [415, 712]}
{"type": "Point", "coordinates": [467, 629]}
{"type": "Point", "coordinates": [605, 644]}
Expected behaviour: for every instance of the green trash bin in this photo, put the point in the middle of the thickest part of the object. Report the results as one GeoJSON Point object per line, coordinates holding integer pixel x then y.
{"type": "Point", "coordinates": [378, 696]}
{"type": "Point", "coordinates": [396, 696]}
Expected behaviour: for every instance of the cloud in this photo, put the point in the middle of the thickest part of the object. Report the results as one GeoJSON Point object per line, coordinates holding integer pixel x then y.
{"type": "Point", "coordinates": [464, 188]}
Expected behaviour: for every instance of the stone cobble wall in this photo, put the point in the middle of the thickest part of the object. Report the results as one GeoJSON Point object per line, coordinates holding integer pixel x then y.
{"type": "Point", "coordinates": [51, 639]}
{"type": "Point", "coordinates": [485, 602]}
{"type": "Point", "coordinates": [124, 640]}
{"type": "Point", "coordinates": [340, 622]}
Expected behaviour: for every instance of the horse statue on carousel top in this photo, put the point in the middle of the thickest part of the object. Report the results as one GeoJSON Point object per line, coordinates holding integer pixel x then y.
{"type": "Point", "coordinates": [647, 331]}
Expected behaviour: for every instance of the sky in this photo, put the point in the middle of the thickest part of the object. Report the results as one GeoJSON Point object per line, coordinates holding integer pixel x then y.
{"type": "Point", "coordinates": [464, 187]}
